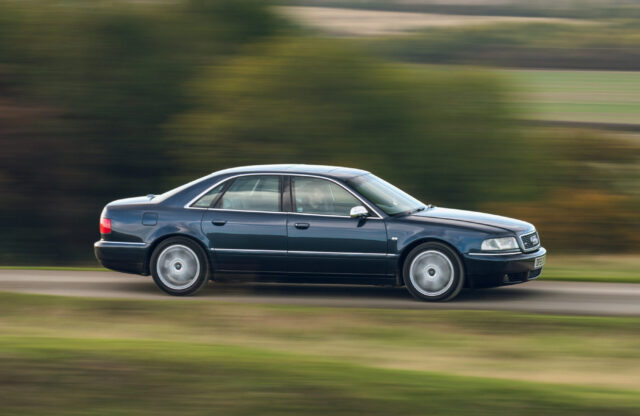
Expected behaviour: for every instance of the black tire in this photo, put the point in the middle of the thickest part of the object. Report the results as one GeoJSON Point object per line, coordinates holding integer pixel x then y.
{"type": "Point", "coordinates": [179, 266]}
{"type": "Point", "coordinates": [442, 276]}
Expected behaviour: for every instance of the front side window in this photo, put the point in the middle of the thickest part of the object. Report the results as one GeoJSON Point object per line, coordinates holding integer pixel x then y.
{"type": "Point", "coordinates": [385, 196]}
{"type": "Point", "coordinates": [319, 196]}
{"type": "Point", "coordinates": [252, 193]}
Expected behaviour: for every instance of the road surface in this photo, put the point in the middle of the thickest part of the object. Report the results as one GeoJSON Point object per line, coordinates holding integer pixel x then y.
{"type": "Point", "coordinates": [577, 298]}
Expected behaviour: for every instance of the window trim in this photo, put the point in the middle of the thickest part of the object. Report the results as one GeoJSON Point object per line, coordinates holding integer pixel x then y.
{"type": "Point", "coordinates": [230, 183]}
{"type": "Point", "coordinates": [215, 200]}
{"type": "Point", "coordinates": [287, 190]}
{"type": "Point", "coordinates": [292, 181]}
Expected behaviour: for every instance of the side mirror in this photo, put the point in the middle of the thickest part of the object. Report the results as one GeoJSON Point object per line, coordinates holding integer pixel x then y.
{"type": "Point", "coordinates": [358, 212]}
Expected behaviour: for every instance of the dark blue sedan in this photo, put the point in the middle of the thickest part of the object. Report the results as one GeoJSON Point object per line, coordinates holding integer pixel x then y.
{"type": "Point", "coordinates": [307, 223]}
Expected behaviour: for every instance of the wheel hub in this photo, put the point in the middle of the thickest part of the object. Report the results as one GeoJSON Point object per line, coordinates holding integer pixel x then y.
{"type": "Point", "coordinates": [431, 273]}
{"type": "Point", "coordinates": [178, 267]}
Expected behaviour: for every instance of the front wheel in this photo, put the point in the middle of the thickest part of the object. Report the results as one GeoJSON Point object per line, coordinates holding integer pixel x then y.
{"type": "Point", "coordinates": [179, 266]}
{"type": "Point", "coordinates": [433, 272]}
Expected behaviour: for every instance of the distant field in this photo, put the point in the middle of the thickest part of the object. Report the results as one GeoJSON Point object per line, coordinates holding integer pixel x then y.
{"type": "Point", "coordinates": [562, 95]}
{"type": "Point", "coordinates": [540, 8]}
{"type": "Point", "coordinates": [104, 357]}
{"type": "Point", "coordinates": [583, 96]}
{"type": "Point", "coordinates": [358, 22]}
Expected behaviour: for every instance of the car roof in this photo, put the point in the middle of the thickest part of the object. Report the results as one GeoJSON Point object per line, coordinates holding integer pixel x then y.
{"type": "Point", "coordinates": [322, 170]}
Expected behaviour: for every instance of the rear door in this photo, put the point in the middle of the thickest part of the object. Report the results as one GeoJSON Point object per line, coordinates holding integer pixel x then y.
{"type": "Point", "coordinates": [247, 228]}
{"type": "Point", "coordinates": [324, 240]}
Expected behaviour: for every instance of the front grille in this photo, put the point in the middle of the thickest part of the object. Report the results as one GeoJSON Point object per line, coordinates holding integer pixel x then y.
{"type": "Point", "coordinates": [530, 241]}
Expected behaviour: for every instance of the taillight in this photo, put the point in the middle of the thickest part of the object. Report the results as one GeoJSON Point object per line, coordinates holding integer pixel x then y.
{"type": "Point", "coordinates": [105, 225]}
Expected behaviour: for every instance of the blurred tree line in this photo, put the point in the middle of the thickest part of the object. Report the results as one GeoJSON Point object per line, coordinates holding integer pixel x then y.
{"type": "Point", "coordinates": [103, 100]}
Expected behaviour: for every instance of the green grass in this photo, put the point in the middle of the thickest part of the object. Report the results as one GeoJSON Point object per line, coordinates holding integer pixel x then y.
{"type": "Point", "coordinates": [581, 96]}
{"type": "Point", "coordinates": [77, 356]}
{"type": "Point", "coordinates": [57, 376]}
{"type": "Point", "coordinates": [593, 268]}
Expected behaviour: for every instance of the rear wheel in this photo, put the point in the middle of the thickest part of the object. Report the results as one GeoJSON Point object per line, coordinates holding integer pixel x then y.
{"type": "Point", "coordinates": [433, 272]}
{"type": "Point", "coordinates": [179, 266]}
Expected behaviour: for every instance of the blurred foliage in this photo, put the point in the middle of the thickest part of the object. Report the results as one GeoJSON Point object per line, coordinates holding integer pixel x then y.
{"type": "Point", "coordinates": [87, 87]}
{"type": "Point", "coordinates": [103, 100]}
{"type": "Point", "coordinates": [319, 101]}
{"type": "Point", "coordinates": [589, 193]}
{"type": "Point", "coordinates": [593, 45]}
{"type": "Point", "coordinates": [581, 220]}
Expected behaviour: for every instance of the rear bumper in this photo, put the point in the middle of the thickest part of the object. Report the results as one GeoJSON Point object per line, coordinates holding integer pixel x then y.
{"type": "Point", "coordinates": [123, 256]}
{"type": "Point", "coordinates": [487, 270]}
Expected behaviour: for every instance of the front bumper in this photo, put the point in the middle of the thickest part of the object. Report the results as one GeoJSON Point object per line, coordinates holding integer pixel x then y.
{"type": "Point", "coordinates": [128, 257]}
{"type": "Point", "coordinates": [488, 270]}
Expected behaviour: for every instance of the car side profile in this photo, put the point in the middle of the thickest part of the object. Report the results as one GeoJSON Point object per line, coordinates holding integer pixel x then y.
{"type": "Point", "coordinates": [306, 223]}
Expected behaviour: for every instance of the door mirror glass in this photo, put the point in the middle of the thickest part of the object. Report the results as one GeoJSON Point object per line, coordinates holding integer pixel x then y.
{"type": "Point", "coordinates": [358, 211]}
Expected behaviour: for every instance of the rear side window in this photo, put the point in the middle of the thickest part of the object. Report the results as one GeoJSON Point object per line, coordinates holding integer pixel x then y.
{"type": "Point", "coordinates": [252, 193]}
{"type": "Point", "coordinates": [319, 196]}
{"type": "Point", "coordinates": [207, 199]}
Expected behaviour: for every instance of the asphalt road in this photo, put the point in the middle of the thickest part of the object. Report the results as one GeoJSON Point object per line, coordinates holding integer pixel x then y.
{"type": "Point", "coordinates": [540, 296]}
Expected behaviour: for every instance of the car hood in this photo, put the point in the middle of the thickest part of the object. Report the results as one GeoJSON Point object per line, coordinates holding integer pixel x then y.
{"type": "Point", "coordinates": [505, 223]}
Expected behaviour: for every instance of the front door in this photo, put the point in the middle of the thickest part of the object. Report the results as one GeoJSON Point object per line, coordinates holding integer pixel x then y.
{"type": "Point", "coordinates": [246, 227]}
{"type": "Point", "coordinates": [324, 240]}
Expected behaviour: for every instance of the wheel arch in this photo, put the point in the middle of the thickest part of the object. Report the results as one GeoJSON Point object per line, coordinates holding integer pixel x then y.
{"type": "Point", "coordinates": [407, 249]}
{"type": "Point", "coordinates": [165, 237]}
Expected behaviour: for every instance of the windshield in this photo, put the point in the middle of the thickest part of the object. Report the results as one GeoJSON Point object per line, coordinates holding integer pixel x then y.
{"type": "Point", "coordinates": [385, 196]}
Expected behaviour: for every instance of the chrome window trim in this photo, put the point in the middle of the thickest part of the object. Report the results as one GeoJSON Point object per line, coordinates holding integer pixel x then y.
{"type": "Point", "coordinates": [188, 204]}
{"type": "Point", "coordinates": [329, 216]}
{"type": "Point", "coordinates": [356, 196]}
{"type": "Point", "coordinates": [247, 210]}
{"type": "Point", "coordinates": [220, 182]}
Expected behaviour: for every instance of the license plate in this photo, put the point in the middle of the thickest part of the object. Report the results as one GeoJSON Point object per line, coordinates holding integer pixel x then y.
{"type": "Point", "coordinates": [539, 262]}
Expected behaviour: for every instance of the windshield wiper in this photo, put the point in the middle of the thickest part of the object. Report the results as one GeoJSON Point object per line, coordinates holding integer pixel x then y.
{"type": "Point", "coordinates": [411, 211]}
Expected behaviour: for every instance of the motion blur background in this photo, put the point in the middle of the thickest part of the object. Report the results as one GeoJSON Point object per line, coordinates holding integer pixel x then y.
{"type": "Point", "coordinates": [526, 109]}
{"type": "Point", "coordinates": [529, 109]}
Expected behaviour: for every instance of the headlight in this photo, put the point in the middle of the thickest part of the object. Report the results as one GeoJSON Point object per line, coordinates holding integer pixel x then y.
{"type": "Point", "coordinates": [499, 244]}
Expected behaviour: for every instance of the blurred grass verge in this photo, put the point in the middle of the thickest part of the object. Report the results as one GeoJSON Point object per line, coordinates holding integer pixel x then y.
{"type": "Point", "coordinates": [62, 355]}
{"type": "Point", "coordinates": [593, 268]}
